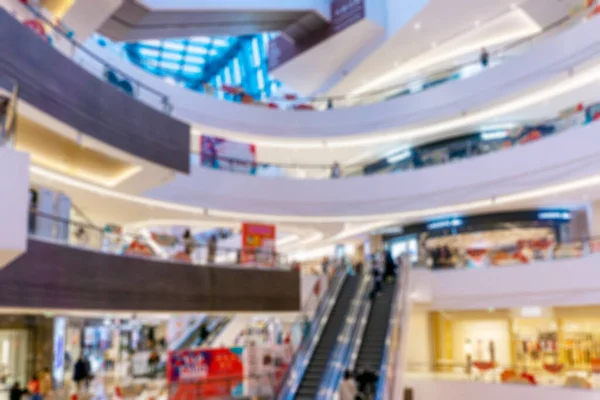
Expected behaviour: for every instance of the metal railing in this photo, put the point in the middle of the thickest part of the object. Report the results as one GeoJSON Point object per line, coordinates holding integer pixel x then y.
{"type": "Point", "coordinates": [64, 231]}
{"type": "Point", "coordinates": [395, 342]}
{"type": "Point", "coordinates": [159, 101]}
{"type": "Point", "coordinates": [433, 78]}
{"type": "Point", "coordinates": [523, 253]}
{"type": "Point", "coordinates": [293, 376]}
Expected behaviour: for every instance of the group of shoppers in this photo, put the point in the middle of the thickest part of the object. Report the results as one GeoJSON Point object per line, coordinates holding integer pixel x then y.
{"type": "Point", "coordinates": [190, 245]}
{"type": "Point", "coordinates": [38, 388]}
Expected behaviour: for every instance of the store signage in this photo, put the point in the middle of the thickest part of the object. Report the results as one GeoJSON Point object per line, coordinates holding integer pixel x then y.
{"type": "Point", "coordinates": [200, 373]}
{"type": "Point", "coordinates": [554, 215]}
{"type": "Point", "coordinates": [258, 244]}
{"type": "Point", "coordinates": [445, 223]}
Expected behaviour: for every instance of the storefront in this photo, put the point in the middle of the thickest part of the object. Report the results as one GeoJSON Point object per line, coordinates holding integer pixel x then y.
{"type": "Point", "coordinates": [25, 347]}
{"type": "Point", "coordinates": [492, 239]}
{"type": "Point", "coordinates": [534, 339]}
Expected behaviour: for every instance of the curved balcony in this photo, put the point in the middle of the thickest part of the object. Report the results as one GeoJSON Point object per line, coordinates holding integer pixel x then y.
{"type": "Point", "coordinates": [78, 266]}
{"type": "Point", "coordinates": [553, 58]}
{"type": "Point", "coordinates": [558, 163]}
{"type": "Point", "coordinates": [55, 85]}
{"type": "Point", "coordinates": [473, 144]}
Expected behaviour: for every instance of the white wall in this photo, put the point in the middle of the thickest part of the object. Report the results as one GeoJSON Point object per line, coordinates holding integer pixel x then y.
{"type": "Point", "coordinates": [14, 204]}
{"type": "Point", "coordinates": [308, 299]}
{"type": "Point", "coordinates": [567, 282]}
{"type": "Point", "coordinates": [564, 157]}
{"type": "Point", "coordinates": [545, 60]}
{"type": "Point", "coordinates": [448, 390]}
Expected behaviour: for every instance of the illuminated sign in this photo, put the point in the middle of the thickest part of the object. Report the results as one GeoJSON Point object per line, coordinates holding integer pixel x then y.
{"type": "Point", "coordinates": [445, 223]}
{"type": "Point", "coordinates": [554, 215]}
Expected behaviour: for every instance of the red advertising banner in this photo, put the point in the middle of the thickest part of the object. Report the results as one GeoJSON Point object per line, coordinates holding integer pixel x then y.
{"type": "Point", "coordinates": [258, 245]}
{"type": "Point", "coordinates": [205, 373]}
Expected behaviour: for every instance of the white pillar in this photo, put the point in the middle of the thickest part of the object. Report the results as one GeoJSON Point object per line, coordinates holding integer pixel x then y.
{"type": "Point", "coordinates": [14, 203]}
{"type": "Point", "coordinates": [86, 16]}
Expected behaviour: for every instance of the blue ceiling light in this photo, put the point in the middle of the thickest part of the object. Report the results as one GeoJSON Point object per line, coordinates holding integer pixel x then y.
{"type": "Point", "coordinates": [199, 60]}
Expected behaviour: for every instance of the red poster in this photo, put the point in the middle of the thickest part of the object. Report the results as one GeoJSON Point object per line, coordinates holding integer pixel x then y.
{"type": "Point", "coordinates": [203, 373]}
{"type": "Point", "coordinates": [258, 245]}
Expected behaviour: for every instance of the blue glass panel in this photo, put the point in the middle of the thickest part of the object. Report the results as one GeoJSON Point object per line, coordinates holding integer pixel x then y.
{"type": "Point", "coordinates": [199, 60]}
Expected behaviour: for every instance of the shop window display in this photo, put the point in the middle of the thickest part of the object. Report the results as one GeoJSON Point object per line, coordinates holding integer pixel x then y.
{"type": "Point", "coordinates": [558, 346]}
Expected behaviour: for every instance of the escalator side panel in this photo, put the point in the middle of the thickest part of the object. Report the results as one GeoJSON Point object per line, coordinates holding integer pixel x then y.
{"type": "Point", "coordinates": [313, 374]}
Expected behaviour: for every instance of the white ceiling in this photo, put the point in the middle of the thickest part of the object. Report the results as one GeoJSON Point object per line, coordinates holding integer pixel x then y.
{"type": "Point", "coordinates": [148, 174]}
{"type": "Point", "coordinates": [459, 21]}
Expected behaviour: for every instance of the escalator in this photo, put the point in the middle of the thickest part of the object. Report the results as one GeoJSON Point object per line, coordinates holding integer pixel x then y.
{"type": "Point", "coordinates": [311, 380]}
{"type": "Point", "coordinates": [370, 354]}
{"type": "Point", "coordinates": [214, 327]}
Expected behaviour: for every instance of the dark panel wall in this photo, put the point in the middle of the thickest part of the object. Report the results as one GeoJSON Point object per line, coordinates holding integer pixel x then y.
{"type": "Point", "coordinates": [56, 276]}
{"type": "Point", "coordinates": [56, 85]}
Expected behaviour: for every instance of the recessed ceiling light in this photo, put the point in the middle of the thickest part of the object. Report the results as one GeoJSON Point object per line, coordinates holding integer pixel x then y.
{"type": "Point", "coordinates": [417, 26]}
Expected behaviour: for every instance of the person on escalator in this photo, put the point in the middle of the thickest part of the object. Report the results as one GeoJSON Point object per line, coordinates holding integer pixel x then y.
{"type": "Point", "coordinates": [367, 382]}
{"type": "Point", "coordinates": [390, 266]}
{"type": "Point", "coordinates": [348, 390]}
{"type": "Point", "coordinates": [376, 273]}
{"type": "Point", "coordinates": [203, 333]}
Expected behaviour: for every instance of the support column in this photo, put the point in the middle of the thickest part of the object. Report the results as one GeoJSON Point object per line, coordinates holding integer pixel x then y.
{"type": "Point", "coordinates": [593, 213]}
{"type": "Point", "coordinates": [14, 202]}
{"type": "Point", "coordinates": [85, 17]}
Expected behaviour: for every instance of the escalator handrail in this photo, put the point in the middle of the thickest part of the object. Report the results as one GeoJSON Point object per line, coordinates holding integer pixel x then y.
{"type": "Point", "coordinates": [341, 351]}
{"type": "Point", "coordinates": [359, 332]}
{"type": "Point", "coordinates": [400, 291]}
{"type": "Point", "coordinates": [289, 384]}
{"type": "Point", "coordinates": [214, 333]}
{"type": "Point", "coordinates": [192, 328]}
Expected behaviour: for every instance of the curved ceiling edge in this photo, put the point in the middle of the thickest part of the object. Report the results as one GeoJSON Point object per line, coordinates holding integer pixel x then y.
{"type": "Point", "coordinates": [546, 180]}
{"type": "Point", "coordinates": [545, 60]}
{"type": "Point", "coordinates": [368, 198]}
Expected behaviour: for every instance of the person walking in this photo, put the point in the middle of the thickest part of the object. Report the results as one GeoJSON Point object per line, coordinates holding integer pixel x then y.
{"type": "Point", "coordinates": [188, 242]}
{"type": "Point", "coordinates": [45, 383]}
{"type": "Point", "coordinates": [16, 391]}
{"type": "Point", "coordinates": [212, 249]}
{"type": "Point", "coordinates": [33, 388]}
{"type": "Point", "coordinates": [484, 58]}
{"type": "Point", "coordinates": [79, 373]}
{"type": "Point", "coordinates": [348, 390]}
{"type": "Point", "coordinates": [336, 170]}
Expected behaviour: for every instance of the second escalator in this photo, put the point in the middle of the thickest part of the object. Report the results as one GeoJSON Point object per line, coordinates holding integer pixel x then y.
{"type": "Point", "coordinates": [313, 374]}
{"type": "Point", "coordinates": [370, 354]}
